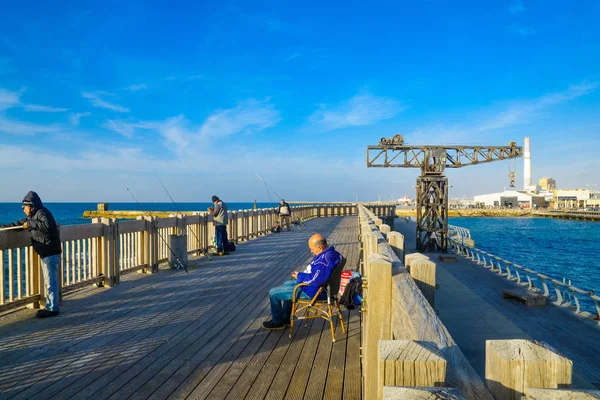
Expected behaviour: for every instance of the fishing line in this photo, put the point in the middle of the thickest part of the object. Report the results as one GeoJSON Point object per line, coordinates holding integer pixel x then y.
{"type": "Point", "coordinates": [181, 265]}
{"type": "Point", "coordinates": [177, 208]}
{"type": "Point", "coordinates": [267, 187]}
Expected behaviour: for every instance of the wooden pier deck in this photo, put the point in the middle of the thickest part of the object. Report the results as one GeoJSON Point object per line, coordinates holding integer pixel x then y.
{"type": "Point", "coordinates": [197, 335]}
{"type": "Point", "coordinates": [472, 308]}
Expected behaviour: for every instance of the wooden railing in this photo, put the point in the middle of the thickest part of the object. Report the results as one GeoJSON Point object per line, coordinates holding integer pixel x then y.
{"type": "Point", "coordinates": [560, 293]}
{"type": "Point", "coordinates": [396, 315]}
{"type": "Point", "coordinates": [102, 251]}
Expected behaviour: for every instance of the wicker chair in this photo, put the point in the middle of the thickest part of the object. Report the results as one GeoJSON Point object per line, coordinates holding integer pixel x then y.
{"type": "Point", "coordinates": [326, 308]}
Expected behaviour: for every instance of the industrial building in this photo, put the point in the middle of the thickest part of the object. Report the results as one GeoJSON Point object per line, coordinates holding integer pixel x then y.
{"type": "Point", "coordinates": [511, 198]}
{"type": "Point", "coordinates": [533, 196]}
{"type": "Point", "coordinates": [576, 198]}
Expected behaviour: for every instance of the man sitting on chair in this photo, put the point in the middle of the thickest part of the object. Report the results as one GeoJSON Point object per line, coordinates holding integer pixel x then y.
{"type": "Point", "coordinates": [315, 275]}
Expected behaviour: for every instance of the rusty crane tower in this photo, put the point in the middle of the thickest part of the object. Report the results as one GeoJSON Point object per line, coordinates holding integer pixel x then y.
{"type": "Point", "coordinates": [432, 185]}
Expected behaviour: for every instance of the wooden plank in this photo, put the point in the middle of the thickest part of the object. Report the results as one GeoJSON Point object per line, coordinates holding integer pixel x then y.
{"type": "Point", "coordinates": [197, 340]}
{"type": "Point", "coordinates": [171, 379]}
{"type": "Point", "coordinates": [150, 340]}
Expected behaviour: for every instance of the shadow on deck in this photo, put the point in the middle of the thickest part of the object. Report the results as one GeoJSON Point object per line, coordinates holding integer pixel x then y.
{"type": "Point", "coordinates": [197, 335]}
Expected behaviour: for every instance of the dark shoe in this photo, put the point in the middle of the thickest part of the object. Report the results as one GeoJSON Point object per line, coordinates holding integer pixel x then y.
{"type": "Point", "coordinates": [225, 253]}
{"type": "Point", "coordinates": [46, 313]}
{"type": "Point", "coordinates": [273, 326]}
{"type": "Point", "coordinates": [287, 322]}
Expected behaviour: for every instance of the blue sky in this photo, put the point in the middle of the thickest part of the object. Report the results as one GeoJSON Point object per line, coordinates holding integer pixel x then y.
{"type": "Point", "coordinates": [96, 98]}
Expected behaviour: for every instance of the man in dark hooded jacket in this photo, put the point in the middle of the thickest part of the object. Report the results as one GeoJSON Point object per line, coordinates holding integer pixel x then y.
{"type": "Point", "coordinates": [45, 239]}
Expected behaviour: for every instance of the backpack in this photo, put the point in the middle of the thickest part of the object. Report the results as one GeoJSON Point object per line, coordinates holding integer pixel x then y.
{"type": "Point", "coordinates": [229, 246]}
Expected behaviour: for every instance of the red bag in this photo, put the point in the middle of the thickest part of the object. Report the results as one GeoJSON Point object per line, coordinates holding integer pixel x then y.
{"type": "Point", "coordinates": [346, 275]}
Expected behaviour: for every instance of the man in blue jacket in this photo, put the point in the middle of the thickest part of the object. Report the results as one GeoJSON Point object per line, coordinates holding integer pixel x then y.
{"type": "Point", "coordinates": [315, 275]}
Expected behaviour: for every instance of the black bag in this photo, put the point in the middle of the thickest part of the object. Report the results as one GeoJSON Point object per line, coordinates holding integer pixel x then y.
{"type": "Point", "coordinates": [353, 287]}
{"type": "Point", "coordinates": [229, 246]}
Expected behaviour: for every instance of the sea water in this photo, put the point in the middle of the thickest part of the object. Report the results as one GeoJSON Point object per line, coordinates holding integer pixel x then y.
{"type": "Point", "coordinates": [559, 248]}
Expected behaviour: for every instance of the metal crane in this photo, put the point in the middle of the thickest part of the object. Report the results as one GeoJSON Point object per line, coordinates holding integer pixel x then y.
{"type": "Point", "coordinates": [432, 185]}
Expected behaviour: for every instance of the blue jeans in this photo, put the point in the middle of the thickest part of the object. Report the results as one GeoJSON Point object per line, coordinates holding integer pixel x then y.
{"type": "Point", "coordinates": [221, 236]}
{"type": "Point", "coordinates": [50, 267]}
{"type": "Point", "coordinates": [283, 294]}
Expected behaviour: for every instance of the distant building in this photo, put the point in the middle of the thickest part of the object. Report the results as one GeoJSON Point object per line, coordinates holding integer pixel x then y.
{"type": "Point", "coordinates": [547, 184]}
{"type": "Point", "coordinates": [576, 198]}
{"type": "Point", "coordinates": [511, 198]}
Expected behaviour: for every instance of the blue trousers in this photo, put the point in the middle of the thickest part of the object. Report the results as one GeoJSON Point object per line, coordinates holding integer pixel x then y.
{"type": "Point", "coordinates": [281, 300]}
{"type": "Point", "coordinates": [221, 236]}
{"type": "Point", "coordinates": [50, 271]}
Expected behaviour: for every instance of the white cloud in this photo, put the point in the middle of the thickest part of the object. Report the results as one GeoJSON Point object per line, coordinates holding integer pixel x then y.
{"type": "Point", "coordinates": [40, 108]}
{"type": "Point", "coordinates": [124, 128]}
{"type": "Point", "coordinates": [522, 112]}
{"type": "Point", "coordinates": [247, 117]}
{"type": "Point", "coordinates": [521, 30]}
{"type": "Point", "coordinates": [13, 127]}
{"type": "Point", "coordinates": [98, 102]}
{"type": "Point", "coordinates": [75, 118]}
{"type": "Point", "coordinates": [173, 130]}
{"type": "Point", "coordinates": [8, 99]}
{"type": "Point", "coordinates": [497, 119]}
{"type": "Point", "coordinates": [137, 87]}
{"type": "Point", "coordinates": [360, 110]}
{"type": "Point", "coordinates": [517, 8]}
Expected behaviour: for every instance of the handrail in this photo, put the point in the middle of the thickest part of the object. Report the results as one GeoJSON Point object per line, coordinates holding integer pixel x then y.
{"type": "Point", "coordinates": [560, 293]}
{"type": "Point", "coordinates": [459, 230]}
{"type": "Point", "coordinates": [102, 251]}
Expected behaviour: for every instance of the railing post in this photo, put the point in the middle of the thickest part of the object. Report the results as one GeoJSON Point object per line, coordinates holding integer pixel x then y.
{"type": "Point", "coordinates": [151, 244]}
{"type": "Point", "coordinates": [512, 366]}
{"type": "Point", "coordinates": [409, 363]}
{"type": "Point", "coordinates": [385, 230]}
{"type": "Point", "coordinates": [36, 282]}
{"type": "Point", "coordinates": [396, 240]}
{"type": "Point", "coordinates": [377, 324]}
{"type": "Point", "coordinates": [423, 272]}
{"type": "Point", "coordinates": [110, 267]}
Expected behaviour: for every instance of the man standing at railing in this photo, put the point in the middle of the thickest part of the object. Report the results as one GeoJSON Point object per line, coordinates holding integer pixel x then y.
{"type": "Point", "coordinates": [285, 213]}
{"type": "Point", "coordinates": [45, 239]}
{"type": "Point", "coordinates": [220, 219]}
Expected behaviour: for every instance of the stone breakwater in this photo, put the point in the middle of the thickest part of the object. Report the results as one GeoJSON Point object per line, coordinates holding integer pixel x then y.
{"type": "Point", "coordinates": [473, 212]}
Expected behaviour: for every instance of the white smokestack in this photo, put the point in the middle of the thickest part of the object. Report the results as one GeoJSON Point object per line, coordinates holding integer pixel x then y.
{"type": "Point", "coordinates": [527, 164]}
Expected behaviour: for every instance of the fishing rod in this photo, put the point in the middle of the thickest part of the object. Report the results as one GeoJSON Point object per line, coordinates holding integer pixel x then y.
{"type": "Point", "coordinates": [12, 228]}
{"type": "Point", "coordinates": [180, 264]}
{"type": "Point", "coordinates": [177, 208]}
{"type": "Point", "coordinates": [268, 187]}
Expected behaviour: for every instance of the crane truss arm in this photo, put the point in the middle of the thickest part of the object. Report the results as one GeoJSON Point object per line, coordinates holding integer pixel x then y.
{"type": "Point", "coordinates": [442, 156]}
